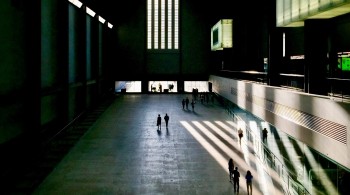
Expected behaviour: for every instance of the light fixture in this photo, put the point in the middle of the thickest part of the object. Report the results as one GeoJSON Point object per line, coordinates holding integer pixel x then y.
{"type": "Point", "coordinates": [102, 20]}
{"type": "Point", "coordinates": [90, 12]}
{"type": "Point", "coordinates": [76, 3]}
{"type": "Point", "coordinates": [109, 25]}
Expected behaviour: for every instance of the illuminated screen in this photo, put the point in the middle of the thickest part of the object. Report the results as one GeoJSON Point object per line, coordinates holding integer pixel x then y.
{"type": "Point", "coordinates": [215, 36]}
{"type": "Point", "coordinates": [345, 64]}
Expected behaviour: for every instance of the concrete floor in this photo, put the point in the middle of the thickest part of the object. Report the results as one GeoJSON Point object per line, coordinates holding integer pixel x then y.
{"type": "Point", "coordinates": [123, 153]}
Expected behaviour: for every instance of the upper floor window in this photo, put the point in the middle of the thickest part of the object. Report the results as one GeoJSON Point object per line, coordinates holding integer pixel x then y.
{"type": "Point", "coordinates": [162, 24]}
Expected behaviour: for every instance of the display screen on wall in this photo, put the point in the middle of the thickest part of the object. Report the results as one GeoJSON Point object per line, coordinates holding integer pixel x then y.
{"type": "Point", "coordinates": [345, 64]}
{"type": "Point", "coordinates": [221, 35]}
{"type": "Point", "coordinates": [344, 61]}
{"type": "Point", "coordinates": [215, 36]}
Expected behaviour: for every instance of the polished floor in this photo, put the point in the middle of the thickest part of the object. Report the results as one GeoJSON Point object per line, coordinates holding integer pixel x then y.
{"type": "Point", "coordinates": [124, 153]}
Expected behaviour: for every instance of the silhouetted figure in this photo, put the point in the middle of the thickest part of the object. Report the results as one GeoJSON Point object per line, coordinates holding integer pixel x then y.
{"type": "Point", "coordinates": [159, 122]}
{"type": "Point", "coordinates": [183, 103]}
{"type": "Point", "coordinates": [236, 176]}
{"type": "Point", "coordinates": [187, 102]}
{"type": "Point", "coordinates": [192, 104]}
{"type": "Point", "coordinates": [160, 88]}
{"type": "Point", "coordinates": [264, 132]}
{"type": "Point", "coordinates": [240, 134]}
{"type": "Point", "coordinates": [166, 118]}
{"type": "Point", "coordinates": [249, 180]}
{"type": "Point", "coordinates": [230, 168]}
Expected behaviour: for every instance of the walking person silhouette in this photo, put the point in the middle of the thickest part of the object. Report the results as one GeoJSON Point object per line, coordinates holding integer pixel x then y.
{"type": "Point", "coordinates": [236, 176]}
{"type": "Point", "coordinates": [230, 169]}
{"type": "Point", "coordinates": [249, 179]}
{"type": "Point", "coordinates": [159, 122]}
{"type": "Point", "coordinates": [187, 102]}
{"type": "Point", "coordinates": [264, 131]}
{"type": "Point", "coordinates": [240, 134]}
{"type": "Point", "coordinates": [166, 118]}
{"type": "Point", "coordinates": [192, 104]}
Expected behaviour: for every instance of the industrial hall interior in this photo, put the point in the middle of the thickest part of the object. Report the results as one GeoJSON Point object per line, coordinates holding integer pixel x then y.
{"type": "Point", "coordinates": [175, 97]}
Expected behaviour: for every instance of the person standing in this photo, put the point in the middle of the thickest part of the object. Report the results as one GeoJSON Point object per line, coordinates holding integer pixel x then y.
{"type": "Point", "coordinates": [236, 176]}
{"type": "Point", "coordinates": [166, 118]}
{"type": "Point", "coordinates": [264, 131]}
{"type": "Point", "coordinates": [159, 122]}
{"type": "Point", "coordinates": [183, 104]}
{"type": "Point", "coordinates": [230, 168]}
{"type": "Point", "coordinates": [249, 179]}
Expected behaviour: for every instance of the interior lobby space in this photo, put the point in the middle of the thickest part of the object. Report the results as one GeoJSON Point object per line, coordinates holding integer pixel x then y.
{"type": "Point", "coordinates": [123, 152]}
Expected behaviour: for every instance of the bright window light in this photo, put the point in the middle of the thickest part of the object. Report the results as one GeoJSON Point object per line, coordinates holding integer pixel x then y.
{"type": "Point", "coordinates": [102, 20]}
{"type": "Point", "coordinates": [110, 25]}
{"type": "Point", "coordinates": [162, 24]}
{"type": "Point", "coordinates": [90, 12]}
{"type": "Point", "coordinates": [76, 3]}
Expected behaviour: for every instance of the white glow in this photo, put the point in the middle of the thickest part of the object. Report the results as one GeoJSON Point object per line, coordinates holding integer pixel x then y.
{"type": "Point", "coordinates": [76, 3]}
{"type": "Point", "coordinates": [102, 20]}
{"type": "Point", "coordinates": [284, 45]}
{"type": "Point", "coordinates": [162, 24]}
{"type": "Point", "coordinates": [170, 25]}
{"type": "Point", "coordinates": [90, 12]}
{"type": "Point", "coordinates": [176, 24]}
{"type": "Point", "coordinates": [110, 25]}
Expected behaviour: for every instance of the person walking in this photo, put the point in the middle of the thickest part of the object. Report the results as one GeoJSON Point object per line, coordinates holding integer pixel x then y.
{"type": "Point", "coordinates": [249, 179]}
{"type": "Point", "coordinates": [166, 118]}
{"type": "Point", "coordinates": [236, 176]}
{"type": "Point", "coordinates": [183, 104]}
{"type": "Point", "coordinates": [230, 169]}
{"type": "Point", "coordinates": [187, 102]}
{"type": "Point", "coordinates": [240, 134]}
{"type": "Point", "coordinates": [192, 104]}
{"type": "Point", "coordinates": [159, 122]}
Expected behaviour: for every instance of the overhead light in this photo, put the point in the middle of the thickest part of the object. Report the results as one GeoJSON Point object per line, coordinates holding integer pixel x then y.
{"type": "Point", "coordinates": [102, 20]}
{"type": "Point", "coordinates": [90, 12]}
{"type": "Point", "coordinates": [110, 25]}
{"type": "Point", "coordinates": [76, 3]}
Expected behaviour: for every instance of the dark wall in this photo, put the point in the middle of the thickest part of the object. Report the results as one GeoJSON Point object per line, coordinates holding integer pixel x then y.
{"type": "Point", "coordinates": [19, 81]}
{"type": "Point", "coordinates": [51, 72]}
{"type": "Point", "coordinates": [19, 69]}
{"type": "Point", "coordinates": [191, 61]}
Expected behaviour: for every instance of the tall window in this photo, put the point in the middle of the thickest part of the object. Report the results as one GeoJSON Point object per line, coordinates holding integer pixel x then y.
{"type": "Point", "coordinates": [162, 24]}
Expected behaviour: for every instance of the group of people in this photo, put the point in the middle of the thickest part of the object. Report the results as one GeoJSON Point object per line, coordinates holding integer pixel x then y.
{"type": "Point", "coordinates": [235, 175]}
{"type": "Point", "coordinates": [264, 134]}
{"type": "Point", "coordinates": [186, 102]}
{"type": "Point", "coordinates": [159, 121]}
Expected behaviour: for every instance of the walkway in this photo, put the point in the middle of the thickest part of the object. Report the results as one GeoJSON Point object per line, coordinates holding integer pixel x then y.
{"type": "Point", "coordinates": [123, 153]}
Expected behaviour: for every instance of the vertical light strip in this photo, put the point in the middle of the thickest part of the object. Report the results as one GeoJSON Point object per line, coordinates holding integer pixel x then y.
{"type": "Point", "coordinates": [170, 24]}
{"type": "Point", "coordinates": [162, 24]}
{"type": "Point", "coordinates": [149, 24]}
{"type": "Point", "coordinates": [176, 24]}
{"type": "Point", "coordinates": [284, 45]}
{"type": "Point", "coordinates": [156, 22]}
